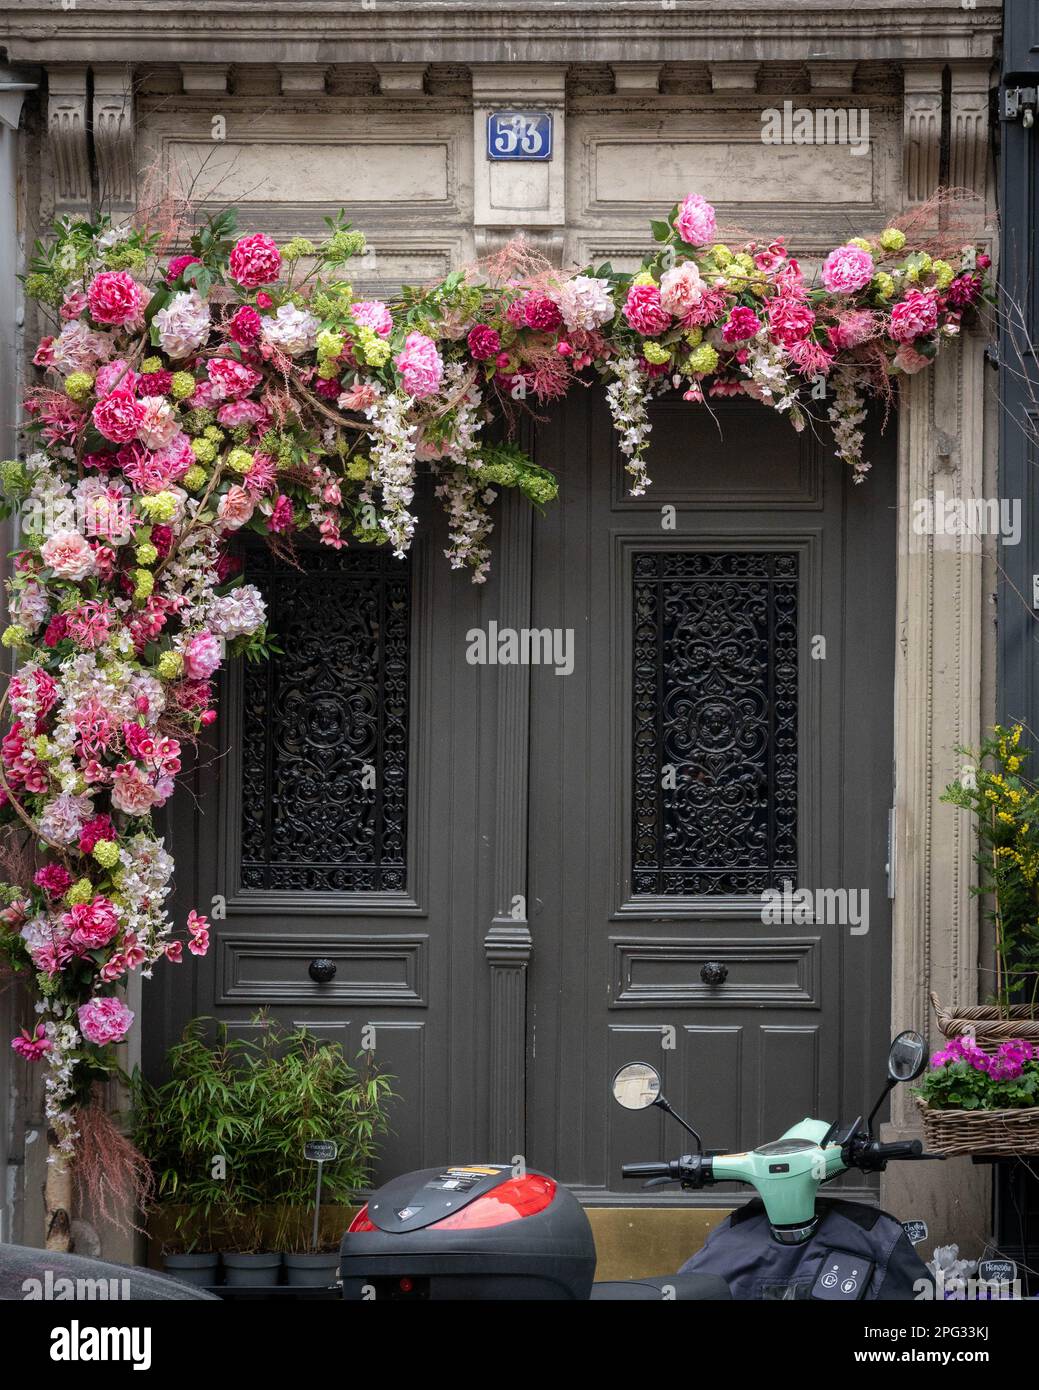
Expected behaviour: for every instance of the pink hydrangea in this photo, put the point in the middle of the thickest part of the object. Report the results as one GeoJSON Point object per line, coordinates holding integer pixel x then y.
{"type": "Point", "coordinates": [644, 311]}
{"type": "Point", "coordinates": [741, 324]}
{"type": "Point", "coordinates": [847, 269]}
{"type": "Point", "coordinates": [255, 260]}
{"type": "Point", "coordinates": [118, 416]}
{"type": "Point", "coordinates": [104, 1020]}
{"type": "Point", "coordinates": [913, 316]}
{"type": "Point", "coordinates": [373, 314]}
{"type": "Point", "coordinates": [115, 297]}
{"type": "Point", "coordinates": [420, 366]}
{"type": "Point", "coordinates": [695, 222]}
{"type": "Point", "coordinates": [202, 655]}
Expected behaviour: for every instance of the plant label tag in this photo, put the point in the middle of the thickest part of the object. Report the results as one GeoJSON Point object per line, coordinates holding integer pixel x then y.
{"type": "Point", "coordinates": [997, 1271]}
{"type": "Point", "coordinates": [320, 1150]}
{"type": "Point", "coordinates": [916, 1231]}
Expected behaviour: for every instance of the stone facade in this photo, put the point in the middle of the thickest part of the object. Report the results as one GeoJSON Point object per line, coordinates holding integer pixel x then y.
{"type": "Point", "coordinates": [292, 111]}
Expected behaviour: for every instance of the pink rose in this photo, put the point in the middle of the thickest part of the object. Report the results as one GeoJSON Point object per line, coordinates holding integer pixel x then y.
{"type": "Point", "coordinates": [91, 925]}
{"type": "Point", "coordinates": [419, 365]}
{"type": "Point", "coordinates": [235, 507]}
{"type": "Point", "coordinates": [69, 555]}
{"type": "Point", "coordinates": [913, 316]}
{"type": "Point", "coordinates": [681, 289]}
{"type": "Point", "coordinates": [741, 324]}
{"type": "Point", "coordinates": [254, 261]}
{"type": "Point", "coordinates": [115, 297]}
{"type": "Point", "coordinates": [202, 656]}
{"type": "Point", "coordinates": [695, 222]}
{"type": "Point", "coordinates": [644, 311]}
{"type": "Point", "coordinates": [373, 314]}
{"type": "Point", "coordinates": [118, 416]}
{"type": "Point", "coordinates": [847, 269]}
{"type": "Point", "coordinates": [104, 1020]}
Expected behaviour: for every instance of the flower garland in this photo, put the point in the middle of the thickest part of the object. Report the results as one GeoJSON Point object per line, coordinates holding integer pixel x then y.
{"type": "Point", "coordinates": [240, 385]}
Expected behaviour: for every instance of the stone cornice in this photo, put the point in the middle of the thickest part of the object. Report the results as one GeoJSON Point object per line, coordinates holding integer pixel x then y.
{"type": "Point", "coordinates": [579, 31]}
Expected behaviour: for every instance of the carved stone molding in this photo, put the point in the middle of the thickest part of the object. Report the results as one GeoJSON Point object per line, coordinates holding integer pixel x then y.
{"type": "Point", "coordinates": [636, 79]}
{"type": "Point", "coordinates": [938, 697]}
{"type": "Point", "coordinates": [302, 79]}
{"type": "Point", "coordinates": [402, 79]}
{"type": "Point", "coordinates": [114, 134]}
{"type": "Point", "coordinates": [921, 149]}
{"type": "Point", "coordinates": [734, 77]}
{"type": "Point", "coordinates": [968, 130]}
{"type": "Point", "coordinates": [830, 77]}
{"type": "Point", "coordinates": [67, 133]}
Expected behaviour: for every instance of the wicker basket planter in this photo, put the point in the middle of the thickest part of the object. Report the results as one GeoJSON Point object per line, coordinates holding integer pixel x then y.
{"type": "Point", "coordinates": [988, 1026]}
{"type": "Point", "coordinates": [1003, 1132]}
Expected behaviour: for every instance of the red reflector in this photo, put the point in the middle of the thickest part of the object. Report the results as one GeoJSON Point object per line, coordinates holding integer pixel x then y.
{"type": "Point", "coordinates": [512, 1201]}
{"type": "Point", "coordinates": [361, 1222]}
{"type": "Point", "coordinates": [406, 1285]}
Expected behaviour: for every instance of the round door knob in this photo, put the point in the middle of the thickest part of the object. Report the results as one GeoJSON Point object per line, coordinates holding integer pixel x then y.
{"type": "Point", "coordinates": [322, 970]}
{"type": "Point", "coordinates": [714, 972]}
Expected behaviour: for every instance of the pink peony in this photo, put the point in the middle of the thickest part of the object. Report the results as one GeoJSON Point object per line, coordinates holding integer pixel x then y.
{"type": "Point", "coordinates": [69, 555]}
{"type": "Point", "coordinates": [254, 261]}
{"type": "Point", "coordinates": [118, 416]}
{"type": "Point", "coordinates": [115, 297]}
{"type": "Point", "coordinates": [231, 380]}
{"type": "Point", "coordinates": [373, 314]}
{"type": "Point", "coordinates": [54, 879]}
{"type": "Point", "coordinates": [202, 655]}
{"type": "Point", "coordinates": [908, 360]}
{"type": "Point", "coordinates": [235, 508]}
{"type": "Point", "coordinates": [115, 375]}
{"type": "Point", "coordinates": [789, 320]}
{"type": "Point", "coordinates": [852, 328]}
{"type": "Point", "coordinates": [244, 326]}
{"type": "Point", "coordinates": [681, 289]}
{"type": "Point", "coordinates": [695, 222]}
{"type": "Point", "coordinates": [419, 365]}
{"type": "Point", "coordinates": [178, 265]}
{"type": "Point", "coordinates": [282, 516]}
{"type": "Point", "coordinates": [645, 312]}
{"type": "Point", "coordinates": [847, 269]}
{"type": "Point", "coordinates": [158, 424]}
{"type": "Point", "coordinates": [484, 342]}
{"type": "Point", "coordinates": [104, 1020]}
{"type": "Point", "coordinates": [913, 316]}
{"type": "Point", "coordinates": [132, 793]}
{"type": "Point", "coordinates": [541, 313]}
{"type": "Point", "coordinates": [741, 324]}
{"type": "Point", "coordinates": [91, 925]}
{"type": "Point", "coordinates": [236, 413]}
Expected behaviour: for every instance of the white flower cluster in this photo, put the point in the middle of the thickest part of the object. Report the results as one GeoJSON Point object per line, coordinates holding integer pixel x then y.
{"type": "Point", "coordinates": [393, 466]}
{"type": "Point", "coordinates": [238, 613]}
{"type": "Point", "coordinates": [627, 398]}
{"type": "Point", "coordinates": [847, 414]}
{"type": "Point", "coordinates": [183, 325]}
{"type": "Point", "coordinates": [769, 371]}
{"type": "Point", "coordinates": [466, 500]}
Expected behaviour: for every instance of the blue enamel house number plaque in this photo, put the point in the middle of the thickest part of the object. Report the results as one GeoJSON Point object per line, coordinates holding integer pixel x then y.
{"type": "Point", "coordinates": [519, 135]}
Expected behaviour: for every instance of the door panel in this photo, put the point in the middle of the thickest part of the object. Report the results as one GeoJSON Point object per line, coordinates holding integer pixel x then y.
{"type": "Point", "coordinates": [706, 747]}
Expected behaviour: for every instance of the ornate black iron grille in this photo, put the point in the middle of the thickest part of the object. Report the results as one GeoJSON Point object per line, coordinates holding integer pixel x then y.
{"type": "Point", "coordinates": [715, 722]}
{"type": "Point", "coordinates": [325, 726]}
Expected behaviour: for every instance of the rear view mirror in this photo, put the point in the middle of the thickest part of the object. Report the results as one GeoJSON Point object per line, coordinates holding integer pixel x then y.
{"type": "Point", "coordinates": [636, 1086]}
{"type": "Point", "coordinates": [907, 1058]}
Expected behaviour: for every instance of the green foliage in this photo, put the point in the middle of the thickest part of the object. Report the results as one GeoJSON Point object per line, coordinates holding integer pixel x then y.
{"type": "Point", "coordinates": [225, 1133]}
{"type": "Point", "coordinates": [961, 1086]}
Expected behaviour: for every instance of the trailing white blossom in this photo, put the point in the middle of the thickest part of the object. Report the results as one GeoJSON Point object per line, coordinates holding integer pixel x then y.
{"type": "Point", "coordinates": [627, 398]}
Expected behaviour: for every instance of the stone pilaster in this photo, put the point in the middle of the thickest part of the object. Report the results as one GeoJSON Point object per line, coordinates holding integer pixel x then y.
{"type": "Point", "coordinates": [921, 147]}
{"type": "Point", "coordinates": [67, 133]}
{"type": "Point", "coordinates": [114, 136]}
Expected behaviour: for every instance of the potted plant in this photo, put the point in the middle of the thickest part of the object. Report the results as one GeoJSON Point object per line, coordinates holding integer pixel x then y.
{"type": "Point", "coordinates": [308, 1092]}
{"type": "Point", "coordinates": [1006, 807]}
{"type": "Point", "coordinates": [978, 1102]}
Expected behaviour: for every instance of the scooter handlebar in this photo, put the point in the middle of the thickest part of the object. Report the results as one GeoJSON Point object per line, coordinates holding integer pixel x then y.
{"type": "Point", "coordinates": [903, 1148]}
{"type": "Point", "coordinates": [648, 1170]}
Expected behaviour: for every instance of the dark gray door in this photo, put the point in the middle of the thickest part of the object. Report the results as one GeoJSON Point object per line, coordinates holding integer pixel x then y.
{"type": "Point", "coordinates": [337, 823]}
{"type": "Point", "coordinates": [726, 729]}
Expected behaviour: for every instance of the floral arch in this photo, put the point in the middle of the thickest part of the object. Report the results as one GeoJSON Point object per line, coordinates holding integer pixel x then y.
{"type": "Point", "coordinates": [243, 385]}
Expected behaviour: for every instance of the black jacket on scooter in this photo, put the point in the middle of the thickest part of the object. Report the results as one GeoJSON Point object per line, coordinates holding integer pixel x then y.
{"type": "Point", "coordinates": [856, 1252]}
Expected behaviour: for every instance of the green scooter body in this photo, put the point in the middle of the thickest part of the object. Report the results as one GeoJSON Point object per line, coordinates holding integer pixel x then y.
{"type": "Point", "coordinates": [785, 1173]}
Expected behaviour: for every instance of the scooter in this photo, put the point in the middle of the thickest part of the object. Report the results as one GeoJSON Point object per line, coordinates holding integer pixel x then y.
{"type": "Point", "coordinates": [486, 1231]}
{"type": "Point", "coordinates": [789, 1243]}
